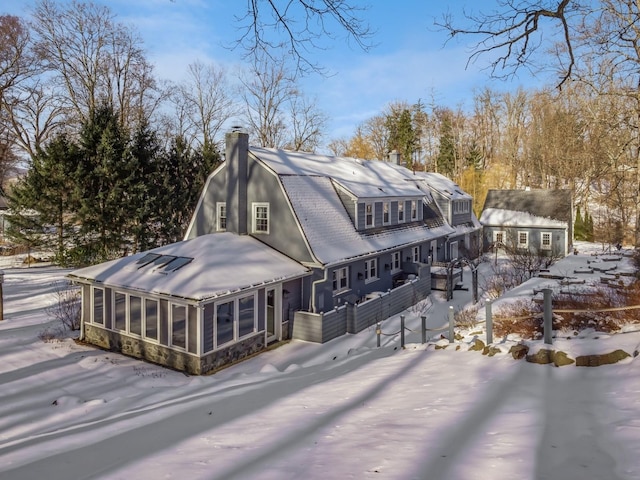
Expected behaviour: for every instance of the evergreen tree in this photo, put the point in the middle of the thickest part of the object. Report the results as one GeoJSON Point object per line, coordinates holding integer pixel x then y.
{"type": "Point", "coordinates": [104, 174]}
{"type": "Point", "coordinates": [446, 155]}
{"type": "Point", "coordinates": [589, 227]}
{"type": "Point", "coordinates": [183, 173]}
{"type": "Point", "coordinates": [402, 136]}
{"type": "Point", "coordinates": [41, 203]}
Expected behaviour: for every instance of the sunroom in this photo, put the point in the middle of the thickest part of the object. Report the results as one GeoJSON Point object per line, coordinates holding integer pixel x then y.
{"type": "Point", "coordinates": [195, 305]}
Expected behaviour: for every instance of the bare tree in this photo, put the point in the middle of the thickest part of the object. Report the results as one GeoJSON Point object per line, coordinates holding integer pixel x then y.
{"type": "Point", "coordinates": [307, 123]}
{"type": "Point", "coordinates": [267, 88]}
{"type": "Point", "coordinates": [204, 103]}
{"type": "Point", "coordinates": [94, 59]}
{"type": "Point", "coordinates": [298, 27]}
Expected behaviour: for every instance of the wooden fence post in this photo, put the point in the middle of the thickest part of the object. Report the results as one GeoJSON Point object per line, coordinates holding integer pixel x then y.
{"type": "Point", "coordinates": [487, 307]}
{"type": "Point", "coordinates": [402, 331]}
{"type": "Point", "coordinates": [547, 316]}
{"type": "Point", "coordinates": [451, 322]}
{"type": "Point", "coordinates": [424, 329]}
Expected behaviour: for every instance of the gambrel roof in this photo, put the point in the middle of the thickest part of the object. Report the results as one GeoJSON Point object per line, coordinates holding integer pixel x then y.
{"type": "Point", "coordinates": [362, 178]}
{"type": "Point", "coordinates": [310, 182]}
{"type": "Point", "coordinates": [539, 207]}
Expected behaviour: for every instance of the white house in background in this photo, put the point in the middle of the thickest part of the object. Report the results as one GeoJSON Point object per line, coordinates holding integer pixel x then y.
{"type": "Point", "coordinates": [281, 245]}
{"type": "Point", "coordinates": [535, 220]}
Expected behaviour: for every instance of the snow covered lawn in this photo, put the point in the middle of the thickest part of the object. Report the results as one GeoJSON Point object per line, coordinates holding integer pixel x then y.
{"type": "Point", "coordinates": [343, 410]}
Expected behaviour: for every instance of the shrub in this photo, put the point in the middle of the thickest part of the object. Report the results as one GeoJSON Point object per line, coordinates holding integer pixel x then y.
{"type": "Point", "coordinates": [66, 305]}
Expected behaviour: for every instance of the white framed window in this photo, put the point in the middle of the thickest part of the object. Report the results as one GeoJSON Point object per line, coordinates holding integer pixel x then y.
{"type": "Point", "coordinates": [368, 215]}
{"type": "Point", "coordinates": [401, 212]}
{"type": "Point", "coordinates": [151, 319]}
{"type": "Point", "coordinates": [135, 315]}
{"type": "Point", "coordinates": [371, 270]}
{"type": "Point", "coordinates": [386, 216]}
{"type": "Point", "coordinates": [396, 261]}
{"type": "Point", "coordinates": [230, 320]}
{"type": "Point", "coordinates": [414, 210]}
{"type": "Point", "coordinates": [545, 240]}
{"type": "Point", "coordinates": [523, 240]}
{"type": "Point", "coordinates": [260, 223]}
{"type": "Point", "coordinates": [499, 237]}
{"type": "Point", "coordinates": [341, 279]}
{"type": "Point", "coordinates": [415, 254]}
{"type": "Point", "coordinates": [178, 329]}
{"type": "Point", "coordinates": [120, 311]}
{"type": "Point", "coordinates": [97, 306]}
{"type": "Point", "coordinates": [221, 216]}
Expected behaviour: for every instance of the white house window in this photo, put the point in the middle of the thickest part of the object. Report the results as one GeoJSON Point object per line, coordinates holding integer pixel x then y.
{"type": "Point", "coordinates": [221, 216]}
{"type": "Point", "coordinates": [246, 316]}
{"type": "Point", "coordinates": [98, 306]}
{"type": "Point", "coordinates": [224, 322]}
{"type": "Point", "coordinates": [135, 315]}
{"type": "Point", "coordinates": [396, 261]}
{"type": "Point", "coordinates": [371, 270]}
{"type": "Point", "coordinates": [523, 239]}
{"type": "Point", "coordinates": [545, 241]}
{"type": "Point", "coordinates": [151, 319]}
{"type": "Point", "coordinates": [401, 212]}
{"type": "Point", "coordinates": [385, 213]}
{"type": "Point", "coordinates": [260, 218]}
{"type": "Point", "coordinates": [499, 237]}
{"type": "Point", "coordinates": [341, 279]}
{"type": "Point", "coordinates": [178, 326]}
{"type": "Point", "coordinates": [368, 215]}
{"type": "Point", "coordinates": [120, 311]}
{"type": "Point", "coordinates": [414, 210]}
{"type": "Point", "coordinates": [415, 254]}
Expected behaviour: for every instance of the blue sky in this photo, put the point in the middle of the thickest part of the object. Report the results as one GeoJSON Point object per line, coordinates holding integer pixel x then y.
{"type": "Point", "coordinates": [408, 63]}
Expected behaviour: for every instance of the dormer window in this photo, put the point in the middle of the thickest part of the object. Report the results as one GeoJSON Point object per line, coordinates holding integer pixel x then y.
{"type": "Point", "coordinates": [368, 215]}
{"type": "Point", "coordinates": [401, 211]}
{"type": "Point", "coordinates": [414, 210]}
{"type": "Point", "coordinates": [385, 213]}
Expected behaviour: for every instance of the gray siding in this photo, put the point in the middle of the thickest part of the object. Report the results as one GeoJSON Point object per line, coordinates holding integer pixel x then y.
{"type": "Point", "coordinates": [353, 318]}
{"type": "Point", "coordinates": [558, 237]}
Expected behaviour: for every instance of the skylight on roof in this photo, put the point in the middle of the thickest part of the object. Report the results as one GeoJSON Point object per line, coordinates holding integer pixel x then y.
{"type": "Point", "coordinates": [177, 263]}
{"type": "Point", "coordinates": [148, 258]}
{"type": "Point", "coordinates": [164, 264]}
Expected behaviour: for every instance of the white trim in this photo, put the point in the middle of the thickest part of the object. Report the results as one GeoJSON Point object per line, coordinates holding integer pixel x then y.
{"type": "Point", "coordinates": [401, 208]}
{"type": "Point", "coordinates": [254, 220]}
{"type": "Point", "coordinates": [144, 320]}
{"type": "Point", "coordinates": [542, 244]}
{"type": "Point", "coordinates": [367, 216]}
{"type": "Point", "coordinates": [93, 309]}
{"type": "Point", "coordinates": [219, 207]}
{"type": "Point", "coordinates": [386, 212]}
{"type": "Point", "coordinates": [186, 326]}
{"type": "Point", "coordinates": [371, 267]}
{"type": "Point", "coordinates": [520, 244]}
{"type": "Point", "coordinates": [338, 274]}
{"type": "Point", "coordinates": [396, 261]}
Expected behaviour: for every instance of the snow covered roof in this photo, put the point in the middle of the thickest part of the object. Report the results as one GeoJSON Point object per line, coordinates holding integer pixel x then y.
{"type": "Point", "coordinates": [363, 178]}
{"type": "Point", "coordinates": [445, 186]}
{"type": "Point", "coordinates": [208, 266]}
{"type": "Point", "coordinates": [550, 204]}
{"type": "Point", "coordinates": [336, 239]}
{"type": "Point", "coordinates": [513, 218]}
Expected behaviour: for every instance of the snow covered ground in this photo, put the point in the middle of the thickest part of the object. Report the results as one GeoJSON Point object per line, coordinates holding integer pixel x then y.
{"type": "Point", "coordinates": [343, 410]}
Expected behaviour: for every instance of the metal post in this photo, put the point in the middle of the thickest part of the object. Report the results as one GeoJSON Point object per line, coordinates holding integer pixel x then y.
{"type": "Point", "coordinates": [424, 329]}
{"type": "Point", "coordinates": [378, 332]}
{"type": "Point", "coordinates": [547, 316]}
{"type": "Point", "coordinates": [451, 322]}
{"type": "Point", "coordinates": [402, 331]}
{"type": "Point", "coordinates": [487, 307]}
{"type": "Point", "coordinates": [1, 296]}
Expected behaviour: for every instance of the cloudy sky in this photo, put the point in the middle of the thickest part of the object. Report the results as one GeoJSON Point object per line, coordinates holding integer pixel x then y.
{"type": "Point", "coordinates": [409, 60]}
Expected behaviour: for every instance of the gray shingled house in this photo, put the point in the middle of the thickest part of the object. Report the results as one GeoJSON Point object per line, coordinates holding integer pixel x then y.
{"type": "Point", "coordinates": [538, 220]}
{"type": "Point", "coordinates": [281, 245]}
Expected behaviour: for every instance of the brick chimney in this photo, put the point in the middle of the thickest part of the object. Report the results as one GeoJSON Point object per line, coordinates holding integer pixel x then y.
{"type": "Point", "coordinates": [236, 157]}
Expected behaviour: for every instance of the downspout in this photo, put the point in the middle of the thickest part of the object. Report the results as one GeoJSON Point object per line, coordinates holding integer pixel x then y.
{"type": "Point", "coordinates": [313, 289]}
